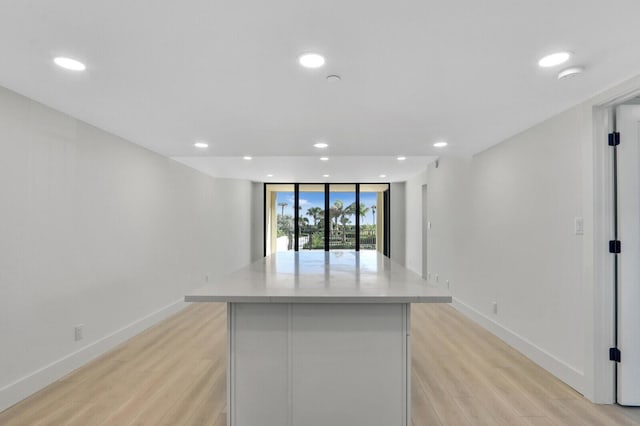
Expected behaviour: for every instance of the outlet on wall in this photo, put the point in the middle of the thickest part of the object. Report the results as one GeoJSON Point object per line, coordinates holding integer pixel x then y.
{"type": "Point", "coordinates": [448, 284]}
{"type": "Point", "coordinates": [495, 308]}
{"type": "Point", "coordinates": [77, 332]}
{"type": "Point", "coordinates": [437, 278]}
{"type": "Point", "coordinates": [206, 278]}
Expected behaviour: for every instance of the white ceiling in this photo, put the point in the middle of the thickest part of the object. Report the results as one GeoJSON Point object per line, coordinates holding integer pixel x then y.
{"type": "Point", "coordinates": [166, 73]}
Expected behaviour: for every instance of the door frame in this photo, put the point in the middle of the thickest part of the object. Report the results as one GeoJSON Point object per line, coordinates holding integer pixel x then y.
{"type": "Point", "coordinates": [602, 297]}
{"type": "Point", "coordinates": [425, 231]}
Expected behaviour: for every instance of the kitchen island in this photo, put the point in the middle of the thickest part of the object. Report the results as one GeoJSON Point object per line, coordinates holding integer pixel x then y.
{"type": "Point", "coordinates": [319, 338]}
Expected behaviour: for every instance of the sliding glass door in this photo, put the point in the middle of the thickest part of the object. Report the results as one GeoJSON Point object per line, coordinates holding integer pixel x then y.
{"type": "Point", "coordinates": [342, 202]}
{"type": "Point", "coordinates": [342, 216]}
{"type": "Point", "coordinates": [311, 216]}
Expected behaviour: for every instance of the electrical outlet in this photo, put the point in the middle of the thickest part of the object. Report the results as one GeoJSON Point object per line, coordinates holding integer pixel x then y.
{"type": "Point", "coordinates": [448, 284]}
{"type": "Point", "coordinates": [495, 308]}
{"type": "Point", "coordinates": [206, 278]}
{"type": "Point", "coordinates": [77, 332]}
{"type": "Point", "coordinates": [437, 278]}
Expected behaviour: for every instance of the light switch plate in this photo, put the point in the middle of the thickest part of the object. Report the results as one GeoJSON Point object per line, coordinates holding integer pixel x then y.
{"type": "Point", "coordinates": [578, 226]}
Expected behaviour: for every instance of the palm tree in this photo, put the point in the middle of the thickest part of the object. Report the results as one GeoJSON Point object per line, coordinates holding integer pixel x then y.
{"type": "Point", "coordinates": [316, 213]}
{"type": "Point", "coordinates": [363, 210]}
{"type": "Point", "coordinates": [373, 212]}
{"type": "Point", "coordinates": [343, 217]}
{"type": "Point", "coordinates": [344, 220]}
{"type": "Point", "coordinates": [283, 204]}
{"type": "Point", "coordinates": [337, 211]}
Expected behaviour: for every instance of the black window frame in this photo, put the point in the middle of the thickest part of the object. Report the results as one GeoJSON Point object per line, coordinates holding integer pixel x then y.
{"type": "Point", "coordinates": [386, 205]}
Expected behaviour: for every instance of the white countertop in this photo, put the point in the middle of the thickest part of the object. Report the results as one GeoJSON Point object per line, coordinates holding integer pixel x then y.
{"type": "Point", "coordinates": [322, 277]}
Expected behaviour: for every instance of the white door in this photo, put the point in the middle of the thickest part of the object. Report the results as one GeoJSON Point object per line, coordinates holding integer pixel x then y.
{"type": "Point", "coordinates": [628, 125]}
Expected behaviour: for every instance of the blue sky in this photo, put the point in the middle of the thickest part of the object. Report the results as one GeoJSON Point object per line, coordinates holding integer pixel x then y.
{"type": "Point", "coordinates": [316, 199]}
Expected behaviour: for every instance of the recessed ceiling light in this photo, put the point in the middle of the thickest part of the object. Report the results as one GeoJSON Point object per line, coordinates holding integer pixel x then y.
{"type": "Point", "coordinates": [325, 175]}
{"type": "Point", "coordinates": [554, 59]}
{"type": "Point", "coordinates": [321, 145]}
{"type": "Point", "coordinates": [440, 144]}
{"type": "Point", "coordinates": [201, 145]}
{"type": "Point", "coordinates": [311, 60]}
{"type": "Point", "coordinates": [383, 175]}
{"type": "Point", "coordinates": [269, 175]}
{"type": "Point", "coordinates": [333, 78]}
{"type": "Point", "coordinates": [569, 72]}
{"type": "Point", "coordinates": [402, 158]}
{"type": "Point", "coordinates": [69, 64]}
{"type": "Point", "coordinates": [247, 157]}
{"type": "Point", "coordinates": [324, 158]}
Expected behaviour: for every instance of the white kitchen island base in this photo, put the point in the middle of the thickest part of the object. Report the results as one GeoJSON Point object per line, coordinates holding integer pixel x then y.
{"type": "Point", "coordinates": [319, 339]}
{"type": "Point", "coordinates": [318, 364]}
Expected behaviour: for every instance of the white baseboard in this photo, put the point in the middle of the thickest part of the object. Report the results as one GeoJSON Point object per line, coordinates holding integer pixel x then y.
{"type": "Point", "coordinates": [555, 366]}
{"type": "Point", "coordinates": [33, 382]}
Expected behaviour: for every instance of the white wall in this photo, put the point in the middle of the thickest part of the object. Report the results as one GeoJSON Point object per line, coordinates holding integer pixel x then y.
{"type": "Point", "coordinates": [257, 221]}
{"type": "Point", "coordinates": [397, 222]}
{"type": "Point", "coordinates": [97, 231]}
{"type": "Point", "coordinates": [413, 222]}
{"type": "Point", "coordinates": [502, 231]}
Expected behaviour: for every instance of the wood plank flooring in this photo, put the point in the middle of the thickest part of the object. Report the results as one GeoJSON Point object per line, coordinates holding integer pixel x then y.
{"type": "Point", "coordinates": [175, 374]}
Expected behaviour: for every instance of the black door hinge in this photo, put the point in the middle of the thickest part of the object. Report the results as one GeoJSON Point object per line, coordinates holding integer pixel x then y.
{"type": "Point", "coordinates": [614, 246]}
{"type": "Point", "coordinates": [614, 138]}
{"type": "Point", "coordinates": [614, 354]}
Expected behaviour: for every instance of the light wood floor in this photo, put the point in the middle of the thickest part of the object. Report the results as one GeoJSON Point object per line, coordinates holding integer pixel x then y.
{"type": "Point", "coordinates": [174, 374]}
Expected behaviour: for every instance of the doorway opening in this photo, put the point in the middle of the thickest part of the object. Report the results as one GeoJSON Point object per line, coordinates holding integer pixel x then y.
{"type": "Point", "coordinates": [616, 207]}
{"type": "Point", "coordinates": [425, 237]}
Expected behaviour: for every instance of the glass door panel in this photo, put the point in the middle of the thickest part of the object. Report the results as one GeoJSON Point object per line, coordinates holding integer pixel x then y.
{"type": "Point", "coordinates": [311, 217]}
{"type": "Point", "coordinates": [342, 211]}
